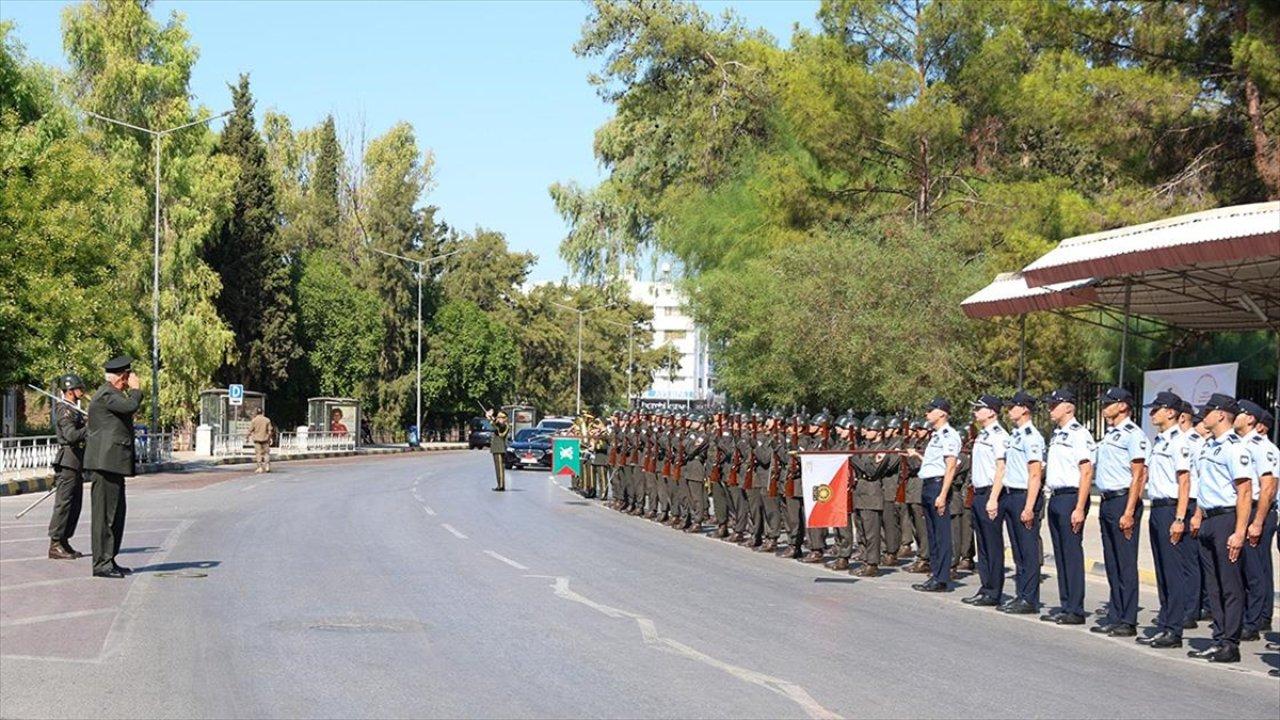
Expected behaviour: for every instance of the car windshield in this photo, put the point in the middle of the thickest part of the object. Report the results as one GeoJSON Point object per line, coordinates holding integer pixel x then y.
{"type": "Point", "coordinates": [529, 434]}
{"type": "Point", "coordinates": [556, 424]}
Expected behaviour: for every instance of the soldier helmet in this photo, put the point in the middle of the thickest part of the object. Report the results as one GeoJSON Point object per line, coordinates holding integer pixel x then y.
{"type": "Point", "coordinates": [822, 419]}
{"type": "Point", "coordinates": [874, 422]}
{"type": "Point", "coordinates": [842, 422]}
{"type": "Point", "coordinates": [919, 424]}
{"type": "Point", "coordinates": [70, 381]}
{"type": "Point", "coordinates": [854, 422]}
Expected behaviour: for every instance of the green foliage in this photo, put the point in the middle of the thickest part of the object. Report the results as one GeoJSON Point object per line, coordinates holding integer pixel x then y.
{"type": "Point", "coordinates": [470, 362]}
{"type": "Point", "coordinates": [340, 325]}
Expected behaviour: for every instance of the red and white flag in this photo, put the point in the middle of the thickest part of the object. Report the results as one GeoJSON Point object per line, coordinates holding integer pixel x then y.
{"type": "Point", "coordinates": [825, 479]}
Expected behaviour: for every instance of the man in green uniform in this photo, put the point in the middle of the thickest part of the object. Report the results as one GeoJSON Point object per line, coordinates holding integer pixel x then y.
{"type": "Point", "coordinates": [768, 471]}
{"type": "Point", "coordinates": [914, 497]}
{"type": "Point", "coordinates": [498, 448]}
{"type": "Point", "coordinates": [67, 465]}
{"type": "Point", "coordinates": [109, 458]}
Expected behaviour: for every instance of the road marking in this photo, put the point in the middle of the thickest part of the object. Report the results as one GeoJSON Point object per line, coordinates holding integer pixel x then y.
{"type": "Point", "coordinates": [428, 510]}
{"type": "Point", "coordinates": [55, 616]}
{"type": "Point", "coordinates": [649, 631]}
{"type": "Point", "coordinates": [42, 583]}
{"type": "Point", "coordinates": [506, 560]}
{"type": "Point", "coordinates": [24, 559]}
{"type": "Point", "coordinates": [453, 530]}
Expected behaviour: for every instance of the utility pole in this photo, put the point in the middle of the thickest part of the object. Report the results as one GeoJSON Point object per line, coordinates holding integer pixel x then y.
{"type": "Point", "coordinates": [581, 315]}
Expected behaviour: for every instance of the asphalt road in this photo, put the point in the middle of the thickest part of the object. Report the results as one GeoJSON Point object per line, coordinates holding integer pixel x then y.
{"type": "Point", "coordinates": [404, 587]}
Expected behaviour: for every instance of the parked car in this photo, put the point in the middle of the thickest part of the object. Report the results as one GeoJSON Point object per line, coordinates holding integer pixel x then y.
{"type": "Point", "coordinates": [530, 449]}
{"type": "Point", "coordinates": [481, 433]}
{"type": "Point", "coordinates": [555, 424]}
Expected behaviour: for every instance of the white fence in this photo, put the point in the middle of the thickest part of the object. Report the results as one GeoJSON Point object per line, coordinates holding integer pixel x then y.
{"type": "Point", "coordinates": [289, 443]}
{"type": "Point", "coordinates": [37, 453]}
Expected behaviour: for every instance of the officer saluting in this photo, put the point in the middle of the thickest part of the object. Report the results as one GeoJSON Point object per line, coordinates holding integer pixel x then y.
{"type": "Point", "coordinates": [67, 468]}
{"type": "Point", "coordinates": [109, 458]}
{"type": "Point", "coordinates": [498, 448]}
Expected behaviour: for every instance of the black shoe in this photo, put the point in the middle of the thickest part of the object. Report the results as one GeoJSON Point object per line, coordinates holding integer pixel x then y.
{"type": "Point", "coordinates": [1250, 636]}
{"type": "Point", "coordinates": [1019, 607]}
{"type": "Point", "coordinates": [1274, 672]}
{"type": "Point", "coordinates": [1190, 624]}
{"type": "Point", "coordinates": [1148, 639]}
{"type": "Point", "coordinates": [1102, 628]}
{"type": "Point", "coordinates": [1122, 630]}
{"type": "Point", "coordinates": [498, 489]}
{"type": "Point", "coordinates": [1165, 641]}
{"type": "Point", "coordinates": [1225, 655]}
{"type": "Point", "coordinates": [1069, 619]}
{"type": "Point", "coordinates": [985, 602]}
{"type": "Point", "coordinates": [930, 587]}
{"type": "Point", "coordinates": [1051, 616]}
{"type": "Point", "coordinates": [1203, 654]}
{"type": "Point", "coordinates": [973, 598]}
{"type": "Point", "coordinates": [122, 569]}
{"type": "Point", "coordinates": [112, 573]}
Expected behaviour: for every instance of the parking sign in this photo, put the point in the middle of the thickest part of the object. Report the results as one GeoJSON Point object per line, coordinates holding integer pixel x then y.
{"type": "Point", "coordinates": [235, 394]}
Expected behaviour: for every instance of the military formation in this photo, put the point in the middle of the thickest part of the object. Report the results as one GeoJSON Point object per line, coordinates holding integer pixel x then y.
{"type": "Point", "coordinates": [949, 502]}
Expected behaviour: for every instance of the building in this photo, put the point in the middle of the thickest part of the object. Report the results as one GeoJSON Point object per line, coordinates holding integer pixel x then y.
{"type": "Point", "coordinates": [692, 380]}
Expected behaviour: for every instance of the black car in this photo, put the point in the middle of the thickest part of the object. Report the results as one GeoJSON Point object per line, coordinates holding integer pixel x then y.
{"type": "Point", "coordinates": [481, 433]}
{"type": "Point", "coordinates": [530, 449]}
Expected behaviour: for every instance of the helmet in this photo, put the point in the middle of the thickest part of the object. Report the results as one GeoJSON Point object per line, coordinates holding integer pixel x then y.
{"type": "Point", "coordinates": [822, 419]}
{"type": "Point", "coordinates": [842, 422]}
{"type": "Point", "coordinates": [70, 381]}
{"type": "Point", "coordinates": [874, 422]}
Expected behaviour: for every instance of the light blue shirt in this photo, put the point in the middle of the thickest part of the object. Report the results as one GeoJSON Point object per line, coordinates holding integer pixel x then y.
{"type": "Point", "coordinates": [991, 445]}
{"type": "Point", "coordinates": [1068, 447]}
{"type": "Point", "coordinates": [1123, 445]}
{"type": "Point", "coordinates": [1195, 441]}
{"type": "Point", "coordinates": [1265, 458]}
{"type": "Point", "coordinates": [1026, 445]}
{"type": "Point", "coordinates": [944, 443]}
{"type": "Point", "coordinates": [1222, 461]}
{"type": "Point", "coordinates": [1170, 455]}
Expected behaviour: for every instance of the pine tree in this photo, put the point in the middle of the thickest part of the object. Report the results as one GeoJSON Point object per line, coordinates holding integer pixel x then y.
{"type": "Point", "coordinates": [324, 186]}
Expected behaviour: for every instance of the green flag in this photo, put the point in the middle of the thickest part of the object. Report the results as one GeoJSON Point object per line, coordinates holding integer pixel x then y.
{"type": "Point", "coordinates": [567, 456]}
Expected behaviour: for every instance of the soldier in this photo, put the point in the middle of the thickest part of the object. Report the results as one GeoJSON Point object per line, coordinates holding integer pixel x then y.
{"type": "Point", "coordinates": [744, 439]}
{"type": "Point", "coordinates": [769, 469]}
{"type": "Point", "coordinates": [869, 497]}
{"type": "Point", "coordinates": [792, 489]}
{"type": "Point", "coordinates": [1169, 487]}
{"type": "Point", "coordinates": [937, 472]}
{"type": "Point", "coordinates": [261, 430]}
{"type": "Point", "coordinates": [498, 448]}
{"type": "Point", "coordinates": [719, 454]}
{"type": "Point", "coordinates": [695, 444]}
{"type": "Point", "coordinates": [1021, 503]}
{"type": "Point", "coordinates": [1121, 467]}
{"type": "Point", "coordinates": [67, 464]}
{"type": "Point", "coordinates": [109, 458]}
{"type": "Point", "coordinates": [845, 440]}
{"type": "Point", "coordinates": [1069, 476]}
{"type": "Point", "coordinates": [961, 500]}
{"type": "Point", "coordinates": [1258, 569]}
{"type": "Point", "coordinates": [914, 497]}
{"type": "Point", "coordinates": [599, 441]}
{"type": "Point", "coordinates": [812, 435]}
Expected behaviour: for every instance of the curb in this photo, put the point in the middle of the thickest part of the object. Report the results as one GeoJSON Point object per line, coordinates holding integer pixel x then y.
{"type": "Point", "coordinates": [46, 482]}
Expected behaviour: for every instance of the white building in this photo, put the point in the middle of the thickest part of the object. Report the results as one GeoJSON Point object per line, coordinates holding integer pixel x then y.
{"type": "Point", "coordinates": [693, 381]}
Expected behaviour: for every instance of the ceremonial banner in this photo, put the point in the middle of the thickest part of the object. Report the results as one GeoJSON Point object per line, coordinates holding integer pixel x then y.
{"type": "Point", "coordinates": [1193, 384]}
{"type": "Point", "coordinates": [824, 478]}
{"type": "Point", "coordinates": [566, 457]}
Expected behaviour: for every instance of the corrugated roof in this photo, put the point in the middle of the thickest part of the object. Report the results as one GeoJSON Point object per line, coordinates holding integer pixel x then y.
{"type": "Point", "coordinates": [1008, 294]}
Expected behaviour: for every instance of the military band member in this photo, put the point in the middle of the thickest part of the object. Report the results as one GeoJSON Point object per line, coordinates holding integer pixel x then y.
{"type": "Point", "coordinates": [937, 471]}
{"type": "Point", "coordinates": [1021, 502]}
{"type": "Point", "coordinates": [109, 458]}
{"type": "Point", "coordinates": [1172, 548]}
{"type": "Point", "coordinates": [67, 466]}
{"type": "Point", "coordinates": [498, 448]}
{"type": "Point", "coordinates": [989, 454]}
{"type": "Point", "coordinates": [1258, 568]}
{"type": "Point", "coordinates": [1069, 477]}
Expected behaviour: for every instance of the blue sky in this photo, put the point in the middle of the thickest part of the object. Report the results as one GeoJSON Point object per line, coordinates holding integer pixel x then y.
{"type": "Point", "coordinates": [493, 88]}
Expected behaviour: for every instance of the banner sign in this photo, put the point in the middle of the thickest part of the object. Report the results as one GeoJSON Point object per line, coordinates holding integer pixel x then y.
{"type": "Point", "coordinates": [825, 480]}
{"type": "Point", "coordinates": [566, 457]}
{"type": "Point", "coordinates": [1193, 384]}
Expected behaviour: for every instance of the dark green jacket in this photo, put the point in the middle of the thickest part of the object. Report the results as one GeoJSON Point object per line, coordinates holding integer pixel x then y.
{"type": "Point", "coordinates": [71, 435]}
{"type": "Point", "coordinates": [498, 442]}
{"type": "Point", "coordinates": [109, 446]}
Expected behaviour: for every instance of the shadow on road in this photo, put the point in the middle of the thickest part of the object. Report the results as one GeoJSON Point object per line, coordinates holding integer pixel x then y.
{"type": "Point", "coordinates": [147, 549]}
{"type": "Point", "coordinates": [172, 566]}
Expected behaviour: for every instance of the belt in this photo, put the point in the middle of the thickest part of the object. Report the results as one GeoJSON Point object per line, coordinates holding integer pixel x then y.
{"type": "Point", "coordinates": [1109, 494]}
{"type": "Point", "coordinates": [981, 491]}
{"type": "Point", "coordinates": [1163, 502]}
{"type": "Point", "coordinates": [1014, 491]}
{"type": "Point", "coordinates": [1065, 491]}
{"type": "Point", "coordinates": [1214, 512]}
{"type": "Point", "coordinates": [932, 479]}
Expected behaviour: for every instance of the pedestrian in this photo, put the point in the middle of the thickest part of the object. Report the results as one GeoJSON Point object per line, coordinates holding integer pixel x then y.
{"type": "Point", "coordinates": [109, 457]}
{"type": "Point", "coordinates": [1119, 475]}
{"type": "Point", "coordinates": [1021, 503]}
{"type": "Point", "coordinates": [1222, 516]}
{"type": "Point", "coordinates": [1069, 478]}
{"type": "Point", "coordinates": [990, 448]}
{"type": "Point", "coordinates": [261, 431]}
{"type": "Point", "coordinates": [1172, 550]}
{"type": "Point", "coordinates": [67, 469]}
{"type": "Point", "coordinates": [1258, 567]}
{"type": "Point", "coordinates": [937, 471]}
{"type": "Point", "coordinates": [498, 447]}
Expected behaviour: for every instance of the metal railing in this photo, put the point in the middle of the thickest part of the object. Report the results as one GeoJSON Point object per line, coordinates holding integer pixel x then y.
{"type": "Point", "coordinates": [153, 448]}
{"type": "Point", "coordinates": [27, 453]}
{"type": "Point", "coordinates": [315, 441]}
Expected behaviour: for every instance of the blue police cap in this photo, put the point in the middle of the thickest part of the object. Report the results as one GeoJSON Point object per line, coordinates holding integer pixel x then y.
{"type": "Point", "coordinates": [939, 403]}
{"type": "Point", "coordinates": [990, 402]}
{"type": "Point", "coordinates": [1115, 395]}
{"type": "Point", "coordinates": [1218, 401]}
{"type": "Point", "coordinates": [1251, 408]}
{"type": "Point", "coordinates": [1023, 398]}
{"type": "Point", "coordinates": [1061, 395]}
{"type": "Point", "coordinates": [1166, 399]}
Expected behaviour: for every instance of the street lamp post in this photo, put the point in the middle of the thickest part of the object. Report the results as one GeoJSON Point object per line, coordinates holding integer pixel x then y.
{"type": "Point", "coordinates": [157, 136]}
{"type": "Point", "coordinates": [420, 264]}
{"type": "Point", "coordinates": [581, 314]}
{"type": "Point", "coordinates": [631, 329]}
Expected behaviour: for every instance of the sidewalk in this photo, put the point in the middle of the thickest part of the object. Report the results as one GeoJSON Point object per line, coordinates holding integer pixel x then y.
{"type": "Point", "coordinates": [189, 462]}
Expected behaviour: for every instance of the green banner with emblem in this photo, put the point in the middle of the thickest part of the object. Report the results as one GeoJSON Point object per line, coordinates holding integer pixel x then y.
{"type": "Point", "coordinates": [566, 458]}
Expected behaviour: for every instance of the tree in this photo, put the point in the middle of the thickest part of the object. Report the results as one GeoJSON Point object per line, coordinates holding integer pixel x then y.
{"type": "Point", "coordinates": [255, 300]}
{"type": "Point", "coordinates": [482, 271]}
{"type": "Point", "coordinates": [340, 324]}
{"type": "Point", "coordinates": [471, 361]}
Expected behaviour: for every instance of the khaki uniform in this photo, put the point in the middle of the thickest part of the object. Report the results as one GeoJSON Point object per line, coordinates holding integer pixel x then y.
{"type": "Point", "coordinates": [498, 448]}
{"type": "Point", "coordinates": [261, 430]}
{"type": "Point", "coordinates": [67, 468]}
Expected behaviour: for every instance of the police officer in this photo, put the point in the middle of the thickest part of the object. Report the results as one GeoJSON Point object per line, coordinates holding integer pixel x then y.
{"type": "Point", "coordinates": [1120, 473]}
{"type": "Point", "coordinates": [1258, 568]}
{"type": "Point", "coordinates": [1172, 550]}
{"type": "Point", "coordinates": [937, 471]}
{"type": "Point", "coordinates": [69, 482]}
{"type": "Point", "coordinates": [109, 458]}
{"type": "Point", "coordinates": [1069, 478]}
{"type": "Point", "coordinates": [989, 454]}
{"type": "Point", "coordinates": [1021, 503]}
{"type": "Point", "coordinates": [498, 448]}
{"type": "Point", "coordinates": [1222, 515]}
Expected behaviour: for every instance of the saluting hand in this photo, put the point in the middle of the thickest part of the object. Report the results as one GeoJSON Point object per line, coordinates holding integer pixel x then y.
{"type": "Point", "coordinates": [134, 382]}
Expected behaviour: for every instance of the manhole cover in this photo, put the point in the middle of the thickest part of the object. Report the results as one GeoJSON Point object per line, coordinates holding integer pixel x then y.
{"type": "Point", "coordinates": [180, 574]}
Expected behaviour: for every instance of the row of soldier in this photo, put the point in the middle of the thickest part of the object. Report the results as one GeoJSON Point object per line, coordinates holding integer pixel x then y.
{"type": "Point", "coordinates": [1208, 473]}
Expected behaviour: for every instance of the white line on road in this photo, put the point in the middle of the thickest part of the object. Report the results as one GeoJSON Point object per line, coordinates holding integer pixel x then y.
{"type": "Point", "coordinates": [43, 583]}
{"type": "Point", "coordinates": [247, 489]}
{"type": "Point", "coordinates": [506, 560]}
{"type": "Point", "coordinates": [453, 530]}
{"type": "Point", "coordinates": [649, 631]}
{"type": "Point", "coordinates": [56, 616]}
{"type": "Point", "coordinates": [428, 510]}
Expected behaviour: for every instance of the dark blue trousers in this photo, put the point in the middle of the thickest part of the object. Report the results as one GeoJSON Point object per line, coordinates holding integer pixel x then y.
{"type": "Point", "coordinates": [1260, 602]}
{"type": "Point", "coordinates": [990, 546]}
{"type": "Point", "coordinates": [1068, 553]}
{"type": "Point", "coordinates": [1024, 542]}
{"type": "Point", "coordinates": [1201, 600]}
{"type": "Point", "coordinates": [1121, 557]}
{"type": "Point", "coordinates": [939, 530]}
{"type": "Point", "coordinates": [1177, 579]}
{"type": "Point", "coordinates": [1223, 579]}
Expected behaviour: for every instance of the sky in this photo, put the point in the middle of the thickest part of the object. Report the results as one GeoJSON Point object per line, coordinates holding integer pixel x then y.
{"type": "Point", "coordinates": [492, 88]}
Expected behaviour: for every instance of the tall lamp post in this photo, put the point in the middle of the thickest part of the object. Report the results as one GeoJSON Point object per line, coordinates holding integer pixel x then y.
{"type": "Point", "coordinates": [631, 330]}
{"type": "Point", "coordinates": [581, 314]}
{"type": "Point", "coordinates": [420, 264]}
{"type": "Point", "coordinates": [157, 136]}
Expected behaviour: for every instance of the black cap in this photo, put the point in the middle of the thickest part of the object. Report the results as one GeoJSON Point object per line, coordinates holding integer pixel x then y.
{"type": "Point", "coordinates": [118, 364]}
{"type": "Point", "coordinates": [1266, 420]}
{"type": "Point", "coordinates": [1061, 395]}
{"type": "Point", "coordinates": [1218, 401]}
{"type": "Point", "coordinates": [1197, 417]}
{"type": "Point", "coordinates": [1250, 407]}
{"type": "Point", "coordinates": [990, 402]}
{"type": "Point", "coordinates": [1023, 398]}
{"type": "Point", "coordinates": [1187, 408]}
{"type": "Point", "coordinates": [939, 403]}
{"type": "Point", "coordinates": [1166, 399]}
{"type": "Point", "coordinates": [1116, 395]}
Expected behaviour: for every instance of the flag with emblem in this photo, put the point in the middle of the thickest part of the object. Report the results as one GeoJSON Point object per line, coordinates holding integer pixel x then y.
{"type": "Point", "coordinates": [825, 479]}
{"type": "Point", "coordinates": [566, 457]}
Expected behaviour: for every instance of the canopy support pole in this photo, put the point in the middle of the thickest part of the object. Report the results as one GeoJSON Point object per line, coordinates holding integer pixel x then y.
{"type": "Point", "coordinates": [1275, 409]}
{"type": "Point", "coordinates": [1022, 349]}
{"type": "Point", "coordinates": [1124, 334]}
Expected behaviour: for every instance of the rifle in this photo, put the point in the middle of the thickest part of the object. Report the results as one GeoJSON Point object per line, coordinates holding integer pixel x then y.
{"type": "Point", "coordinates": [749, 477]}
{"type": "Point", "coordinates": [714, 475]}
{"type": "Point", "coordinates": [968, 446]}
{"type": "Point", "coordinates": [678, 470]}
{"type": "Point", "coordinates": [793, 461]}
{"type": "Point", "coordinates": [734, 460]}
{"type": "Point", "coordinates": [775, 467]}
{"type": "Point", "coordinates": [901, 497]}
